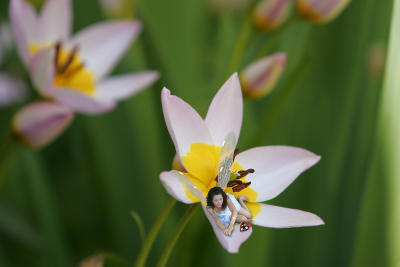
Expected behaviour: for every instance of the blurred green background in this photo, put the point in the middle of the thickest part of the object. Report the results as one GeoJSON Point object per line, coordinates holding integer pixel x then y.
{"type": "Point", "coordinates": [73, 198]}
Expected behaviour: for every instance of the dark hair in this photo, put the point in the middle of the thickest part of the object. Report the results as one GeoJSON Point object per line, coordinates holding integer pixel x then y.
{"type": "Point", "coordinates": [214, 192]}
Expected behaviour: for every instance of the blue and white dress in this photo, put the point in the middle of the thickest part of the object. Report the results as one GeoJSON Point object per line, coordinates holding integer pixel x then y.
{"type": "Point", "coordinates": [225, 215]}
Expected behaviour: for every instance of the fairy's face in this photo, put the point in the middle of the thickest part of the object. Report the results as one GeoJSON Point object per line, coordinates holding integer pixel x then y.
{"type": "Point", "coordinates": [217, 201]}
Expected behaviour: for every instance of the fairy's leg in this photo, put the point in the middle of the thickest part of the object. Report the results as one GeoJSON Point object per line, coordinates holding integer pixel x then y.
{"type": "Point", "coordinates": [244, 211]}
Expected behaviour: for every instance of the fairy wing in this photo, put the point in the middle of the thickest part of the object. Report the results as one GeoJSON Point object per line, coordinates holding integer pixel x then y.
{"type": "Point", "coordinates": [190, 186]}
{"type": "Point", "coordinates": [226, 160]}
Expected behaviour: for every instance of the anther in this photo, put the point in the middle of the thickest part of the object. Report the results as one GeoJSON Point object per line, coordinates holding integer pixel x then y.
{"type": "Point", "coordinates": [73, 71]}
{"type": "Point", "coordinates": [234, 183]}
{"type": "Point", "coordinates": [240, 187]}
{"type": "Point", "coordinates": [57, 53]}
{"type": "Point", "coordinates": [69, 60]}
{"type": "Point", "coordinates": [235, 153]}
{"type": "Point", "coordinates": [244, 173]}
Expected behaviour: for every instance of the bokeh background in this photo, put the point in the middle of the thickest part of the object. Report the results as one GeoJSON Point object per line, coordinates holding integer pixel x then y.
{"type": "Point", "coordinates": [74, 198]}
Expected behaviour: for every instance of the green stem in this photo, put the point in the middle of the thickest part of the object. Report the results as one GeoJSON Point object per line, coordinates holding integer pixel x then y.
{"type": "Point", "coordinates": [274, 37]}
{"type": "Point", "coordinates": [140, 225]}
{"type": "Point", "coordinates": [44, 206]}
{"type": "Point", "coordinates": [148, 243]}
{"type": "Point", "coordinates": [175, 235]}
{"type": "Point", "coordinates": [388, 139]}
{"type": "Point", "coordinates": [7, 149]}
{"type": "Point", "coordinates": [240, 45]}
{"type": "Point", "coordinates": [278, 105]}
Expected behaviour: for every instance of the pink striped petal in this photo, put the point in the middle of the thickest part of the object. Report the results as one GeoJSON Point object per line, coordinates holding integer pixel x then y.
{"type": "Point", "coordinates": [41, 122]}
{"type": "Point", "coordinates": [102, 45]}
{"type": "Point", "coordinates": [124, 86]}
{"type": "Point", "coordinates": [25, 26]}
{"type": "Point", "coordinates": [278, 217]}
{"type": "Point", "coordinates": [184, 124]}
{"type": "Point", "coordinates": [55, 21]}
{"type": "Point", "coordinates": [226, 111]}
{"type": "Point", "coordinates": [230, 243]}
{"type": "Point", "coordinates": [174, 186]}
{"type": "Point", "coordinates": [80, 102]}
{"type": "Point", "coordinates": [261, 76]}
{"type": "Point", "coordinates": [12, 90]}
{"type": "Point", "coordinates": [276, 167]}
{"type": "Point", "coordinates": [270, 14]}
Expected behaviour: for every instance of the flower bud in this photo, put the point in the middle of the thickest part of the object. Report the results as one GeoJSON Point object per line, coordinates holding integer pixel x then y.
{"type": "Point", "coordinates": [40, 123]}
{"type": "Point", "coordinates": [96, 260]}
{"type": "Point", "coordinates": [270, 14]}
{"type": "Point", "coordinates": [177, 165]}
{"type": "Point", "coordinates": [258, 78]}
{"type": "Point", "coordinates": [321, 11]}
{"type": "Point", "coordinates": [116, 9]}
{"type": "Point", "coordinates": [376, 55]}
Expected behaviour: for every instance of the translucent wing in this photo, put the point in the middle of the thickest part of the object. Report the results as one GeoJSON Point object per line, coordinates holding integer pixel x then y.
{"type": "Point", "coordinates": [190, 186]}
{"type": "Point", "coordinates": [226, 160]}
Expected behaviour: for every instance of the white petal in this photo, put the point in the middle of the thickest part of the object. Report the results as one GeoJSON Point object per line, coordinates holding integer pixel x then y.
{"type": "Point", "coordinates": [55, 21]}
{"type": "Point", "coordinates": [102, 45]}
{"type": "Point", "coordinates": [124, 86]}
{"type": "Point", "coordinates": [41, 122]}
{"type": "Point", "coordinates": [174, 187]}
{"type": "Point", "coordinates": [184, 124]}
{"type": "Point", "coordinates": [80, 102]}
{"type": "Point", "coordinates": [278, 217]}
{"type": "Point", "coordinates": [230, 243]}
{"type": "Point", "coordinates": [24, 25]}
{"type": "Point", "coordinates": [276, 167]}
{"type": "Point", "coordinates": [42, 70]}
{"type": "Point", "coordinates": [226, 111]}
{"type": "Point", "coordinates": [12, 89]}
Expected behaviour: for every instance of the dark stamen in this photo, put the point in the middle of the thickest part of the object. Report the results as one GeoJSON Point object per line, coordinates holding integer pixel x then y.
{"type": "Point", "coordinates": [240, 187]}
{"type": "Point", "coordinates": [244, 173]}
{"type": "Point", "coordinates": [235, 153]}
{"type": "Point", "coordinates": [234, 183]}
{"type": "Point", "coordinates": [74, 70]}
{"type": "Point", "coordinates": [69, 60]}
{"type": "Point", "coordinates": [57, 54]}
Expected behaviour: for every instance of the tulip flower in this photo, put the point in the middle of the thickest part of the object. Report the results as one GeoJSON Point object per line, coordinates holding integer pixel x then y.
{"type": "Point", "coordinates": [198, 144]}
{"type": "Point", "coordinates": [39, 123]}
{"type": "Point", "coordinates": [261, 76]}
{"type": "Point", "coordinates": [321, 11]}
{"type": "Point", "coordinates": [72, 70]}
{"type": "Point", "coordinates": [269, 14]}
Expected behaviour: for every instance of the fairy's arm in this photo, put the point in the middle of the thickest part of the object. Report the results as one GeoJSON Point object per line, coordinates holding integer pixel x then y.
{"type": "Point", "coordinates": [218, 222]}
{"type": "Point", "coordinates": [233, 216]}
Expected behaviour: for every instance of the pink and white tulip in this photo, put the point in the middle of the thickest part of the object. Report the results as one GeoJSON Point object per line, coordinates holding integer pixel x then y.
{"type": "Point", "coordinates": [39, 123]}
{"type": "Point", "coordinates": [261, 76]}
{"type": "Point", "coordinates": [321, 11]}
{"type": "Point", "coordinates": [198, 142]}
{"type": "Point", "coordinates": [73, 70]}
{"type": "Point", "coordinates": [270, 14]}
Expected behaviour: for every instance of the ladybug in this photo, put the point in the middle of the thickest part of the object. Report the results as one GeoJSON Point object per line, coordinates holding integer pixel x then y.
{"type": "Point", "coordinates": [244, 226]}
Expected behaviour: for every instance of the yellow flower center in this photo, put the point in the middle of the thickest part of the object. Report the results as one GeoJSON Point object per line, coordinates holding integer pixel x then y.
{"type": "Point", "coordinates": [202, 163]}
{"type": "Point", "coordinates": [70, 69]}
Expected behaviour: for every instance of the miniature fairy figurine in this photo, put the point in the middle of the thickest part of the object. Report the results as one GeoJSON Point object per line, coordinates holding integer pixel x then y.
{"type": "Point", "coordinates": [226, 210]}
